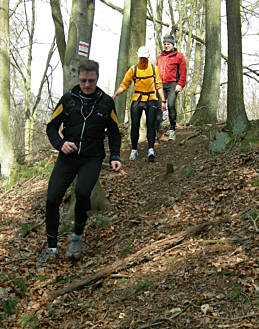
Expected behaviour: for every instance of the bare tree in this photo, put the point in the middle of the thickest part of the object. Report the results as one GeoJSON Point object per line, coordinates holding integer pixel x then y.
{"type": "Point", "coordinates": [6, 151]}
{"type": "Point", "coordinates": [123, 59]}
{"type": "Point", "coordinates": [22, 44]}
{"type": "Point", "coordinates": [206, 110]}
{"type": "Point", "coordinates": [194, 71]}
{"type": "Point", "coordinates": [79, 37]}
{"type": "Point", "coordinates": [237, 120]}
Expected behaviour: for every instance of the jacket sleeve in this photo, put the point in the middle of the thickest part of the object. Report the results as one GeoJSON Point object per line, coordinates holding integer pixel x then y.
{"type": "Point", "coordinates": [128, 78]}
{"type": "Point", "coordinates": [159, 83]}
{"type": "Point", "coordinates": [113, 133]}
{"type": "Point", "coordinates": [53, 126]}
{"type": "Point", "coordinates": [182, 72]}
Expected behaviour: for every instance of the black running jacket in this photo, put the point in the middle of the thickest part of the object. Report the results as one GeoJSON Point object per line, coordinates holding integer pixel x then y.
{"type": "Point", "coordinates": [86, 121]}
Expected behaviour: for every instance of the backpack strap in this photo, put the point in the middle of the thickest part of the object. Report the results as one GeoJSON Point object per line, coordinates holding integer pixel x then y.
{"type": "Point", "coordinates": [154, 74]}
{"type": "Point", "coordinates": [146, 77]}
{"type": "Point", "coordinates": [135, 73]}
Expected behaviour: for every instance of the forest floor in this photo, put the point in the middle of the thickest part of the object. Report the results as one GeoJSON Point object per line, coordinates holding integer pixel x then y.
{"type": "Point", "coordinates": [179, 247]}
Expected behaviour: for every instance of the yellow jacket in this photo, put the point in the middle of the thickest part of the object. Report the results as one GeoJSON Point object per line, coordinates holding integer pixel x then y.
{"type": "Point", "coordinates": [142, 85]}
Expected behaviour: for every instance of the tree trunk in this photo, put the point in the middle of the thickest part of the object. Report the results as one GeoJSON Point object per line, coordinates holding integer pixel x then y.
{"type": "Point", "coordinates": [6, 150]}
{"type": "Point", "coordinates": [206, 111]}
{"type": "Point", "coordinates": [157, 27]}
{"type": "Point", "coordinates": [137, 39]}
{"type": "Point", "coordinates": [183, 115]}
{"type": "Point", "coordinates": [237, 120]}
{"type": "Point", "coordinates": [80, 31]}
{"type": "Point", "coordinates": [196, 74]}
{"type": "Point", "coordinates": [123, 60]}
{"type": "Point", "coordinates": [27, 88]}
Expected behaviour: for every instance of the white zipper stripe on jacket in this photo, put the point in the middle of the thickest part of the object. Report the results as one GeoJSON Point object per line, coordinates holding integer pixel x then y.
{"type": "Point", "coordinates": [85, 118]}
{"type": "Point", "coordinates": [83, 128]}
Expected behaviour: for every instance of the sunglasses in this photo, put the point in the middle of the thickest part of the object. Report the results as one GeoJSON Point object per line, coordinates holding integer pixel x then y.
{"type": "Point", "coordinates": [87, 80]}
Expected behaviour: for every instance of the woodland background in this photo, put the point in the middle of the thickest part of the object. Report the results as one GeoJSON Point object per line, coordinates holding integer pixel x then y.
{"type": "Point", "coordinates": [173, 244]}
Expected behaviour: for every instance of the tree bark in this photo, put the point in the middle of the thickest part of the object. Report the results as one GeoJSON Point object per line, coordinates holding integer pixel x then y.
{"type": "Point", "coordinates": [59, 29]}
{"type": "Point", "coordinates": [157, 27]}
{"type": "Point", "coordinates": [137, 39]}
{"type": "Point", "coordinates": [6, 150]}
{"type": "Point", "coordinates": [123, 60]}
{"type": "Point", "coordinates": [80, 30]}
{"type": "Point", "coordinates": [237, 120]}
{"type": "Point", "coordinates": [196, 72]}
{"type": "Point", "coordinates": [206, 110]}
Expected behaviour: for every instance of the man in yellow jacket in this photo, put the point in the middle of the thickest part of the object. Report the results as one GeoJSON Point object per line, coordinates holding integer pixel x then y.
{"type": "Point", "coordinates": [147, 82]}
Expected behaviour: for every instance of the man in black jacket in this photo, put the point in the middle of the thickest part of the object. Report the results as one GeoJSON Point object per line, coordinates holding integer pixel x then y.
{"type": "Point", "coordinates": [87, 115]}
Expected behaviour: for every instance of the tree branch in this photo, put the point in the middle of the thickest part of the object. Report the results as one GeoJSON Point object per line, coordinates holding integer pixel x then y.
{"type": "Point", "coordinates": [145, 254]}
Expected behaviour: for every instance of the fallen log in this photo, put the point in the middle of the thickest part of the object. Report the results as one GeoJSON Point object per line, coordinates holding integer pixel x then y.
{"type": "Point", "coordinates": [143, 255]}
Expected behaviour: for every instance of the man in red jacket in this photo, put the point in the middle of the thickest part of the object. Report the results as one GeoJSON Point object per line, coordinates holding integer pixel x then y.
{"type": "Point", "coordinates": [172, 67]}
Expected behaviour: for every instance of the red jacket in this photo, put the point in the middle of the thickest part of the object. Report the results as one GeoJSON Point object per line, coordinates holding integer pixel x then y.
{"type": "Point", "coordinates": [172, 67]}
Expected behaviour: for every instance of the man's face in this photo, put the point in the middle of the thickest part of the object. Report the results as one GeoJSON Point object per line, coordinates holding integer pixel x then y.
{"type": "Point", "coordinates": [168, 47]}
{"type": "Point", "coordinates": [87, 81]}
{"type": "Point", "coordinates": [143, 60]}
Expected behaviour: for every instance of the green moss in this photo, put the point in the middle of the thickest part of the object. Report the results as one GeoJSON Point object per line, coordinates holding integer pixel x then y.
{"type": "Point", "coordinates": [102, 221]}
{"type": "Point", "coordinates": [255, 182]}
{"type": "Point", "coordinates": [190, 172]}
{"type": "Point", "coordinates": [126, 251]}
{"type": "Point", "coordinates": [9, 305]}
{"type": "Point", "coordinates": [220, 143]}
{"type": "Point", "coordinates": [22, 173]}
{"type": "Point", "coordinates": [29, 321]}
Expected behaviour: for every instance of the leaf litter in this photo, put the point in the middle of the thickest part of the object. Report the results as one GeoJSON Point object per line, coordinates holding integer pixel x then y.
{"type": "Point", "coordinates": [167, 278]}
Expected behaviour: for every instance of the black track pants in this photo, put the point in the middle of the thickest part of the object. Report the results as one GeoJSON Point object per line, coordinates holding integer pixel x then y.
{"type": "Point", "coordinates": [150, 108]}
{"type": "Point", "coordinates": [65, 170]}
{"type": "Point", "coordinates": [170, 95]}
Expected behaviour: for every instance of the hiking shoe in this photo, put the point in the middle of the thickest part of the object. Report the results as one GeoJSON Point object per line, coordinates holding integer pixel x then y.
{"type": "Point", "coordinates": [133, 155]}
{"type": "Point", "coordinates": [172, 135]}
{"type": "Point", "coordinates": [151, 154]}
{"type": "Point", "coordinates": [75, 247]}
{"type": "Point", "coordinates": [47, 256]}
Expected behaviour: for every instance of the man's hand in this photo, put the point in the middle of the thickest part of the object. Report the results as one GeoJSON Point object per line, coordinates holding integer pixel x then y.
{"type": "Point", "coordinates": [116, 166]}
{"type": "Point", "coordinates": [163, 107]}
{"type": "Point", "coordinates": [178, 88]}
{"type": "Point", "coordinates": [68, 147]}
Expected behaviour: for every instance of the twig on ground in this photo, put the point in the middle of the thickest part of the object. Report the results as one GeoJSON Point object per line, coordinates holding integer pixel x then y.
{"type": "Point", "coordinates": [233, 319]}
{"type": "Point", "coordinates": [254, 222]}
{"type": "Point", "coordinates": [159, 321]}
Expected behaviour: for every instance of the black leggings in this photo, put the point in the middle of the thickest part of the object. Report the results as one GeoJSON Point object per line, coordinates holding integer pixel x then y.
{"type": "Point", "coordinates": [64, 172]}
{"type": "Point", "coordinates": [170, 96]}
{"type": "Point", "coordinates": [150, 108]}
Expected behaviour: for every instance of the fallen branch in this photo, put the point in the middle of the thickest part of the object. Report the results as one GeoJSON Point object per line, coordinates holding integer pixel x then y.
{"type": "Point", "coordinates": [145, 254]}
{"type": "Point", "coordinates": [189, 137]}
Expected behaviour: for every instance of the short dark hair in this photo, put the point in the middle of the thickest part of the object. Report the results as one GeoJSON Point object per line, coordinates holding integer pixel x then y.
{"type": "Point", "coordinates": [88, 65]}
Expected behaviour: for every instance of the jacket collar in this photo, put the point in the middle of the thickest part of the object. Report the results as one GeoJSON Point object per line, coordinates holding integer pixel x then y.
{"type": "Point", "coordinates": [76, 91]}
{"type": "Point", "coordinates": [173, 52]}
